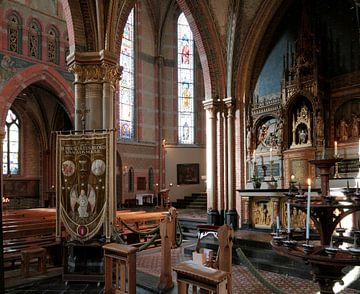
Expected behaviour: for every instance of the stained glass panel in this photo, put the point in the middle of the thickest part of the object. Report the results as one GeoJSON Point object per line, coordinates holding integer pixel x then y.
{"type": "Point", "coordinates": [11, 145]}
{"type": "Point", "coordinates": [127, 83]}
{"type": "Point", "coordinates": [185, 82]}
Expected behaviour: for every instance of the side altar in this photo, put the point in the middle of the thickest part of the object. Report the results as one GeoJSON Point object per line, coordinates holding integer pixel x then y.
{"type": "Point", "coordinates": [260, 209]}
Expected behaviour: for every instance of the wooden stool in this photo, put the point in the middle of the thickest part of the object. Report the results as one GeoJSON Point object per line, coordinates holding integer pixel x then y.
{"type": "Point", "coordinates": [28, 254]}
{"type": "Point", "coordinates": [124, 258]}
{"type": "Point", "coordinates": [200, 277]}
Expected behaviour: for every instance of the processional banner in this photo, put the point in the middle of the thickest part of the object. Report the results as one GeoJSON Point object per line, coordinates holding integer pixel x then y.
{"type": "Point", "coordinates": [82, 182]}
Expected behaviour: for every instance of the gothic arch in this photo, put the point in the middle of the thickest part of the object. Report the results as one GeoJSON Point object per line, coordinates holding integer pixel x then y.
{"type": "Point", "coordinates": [37, 73]}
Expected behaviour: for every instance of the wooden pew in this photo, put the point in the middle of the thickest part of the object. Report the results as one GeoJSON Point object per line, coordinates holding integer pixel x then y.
{"type": "Point", "coordinates": [24, 230]}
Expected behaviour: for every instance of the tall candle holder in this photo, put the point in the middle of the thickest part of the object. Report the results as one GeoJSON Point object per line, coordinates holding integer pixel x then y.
{"type": "Point", "coordinates": [327, 260]}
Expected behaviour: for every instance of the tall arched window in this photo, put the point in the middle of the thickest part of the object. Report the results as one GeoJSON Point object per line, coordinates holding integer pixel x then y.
{"type": "Point", "coordinates": [34, 37]}
{"type": "Point", "coordinates": [53, 46]}
{"type": "Point", "coordinates": [11, 144]}
{"type": "Point", "coordinates": [151, 179]}
{"type": "Point", "coordinates": [127, 83]}
{"type": "Point", "coordinates": [14, 33]}
{"type": "Point", "coordinates": [185, 81]}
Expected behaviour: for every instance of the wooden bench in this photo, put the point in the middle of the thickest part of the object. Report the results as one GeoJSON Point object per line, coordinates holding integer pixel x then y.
{"type": "Point", "coordinates": [24, 230]}
{"type": "Point", "coordinates": [28, 254]}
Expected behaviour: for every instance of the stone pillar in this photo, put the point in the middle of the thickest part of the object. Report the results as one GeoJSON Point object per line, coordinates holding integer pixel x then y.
{"type": "Point", "coordinates": [211, 161]}
{"type": "Point", "coordinates": [2, 281]}
{"type": "Point", "coordinates": [96, 77]}
{"type": "Point", "coordinates": [225, 170]}
{"type": "Point", "coordinates": [161, 142]}
{"type": "Point", "coordinates": [231, 214]}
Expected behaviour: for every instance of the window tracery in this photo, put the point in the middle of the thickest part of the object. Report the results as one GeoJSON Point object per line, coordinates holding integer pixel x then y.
{"type": "Point", "coordinates": [11, 144]}
{"type": "Point", "coordinates": [53, 46]}
{"type": "Point", "coordinates": [14, 33]}
{"type": "Point", "coordinates": [34, 37]}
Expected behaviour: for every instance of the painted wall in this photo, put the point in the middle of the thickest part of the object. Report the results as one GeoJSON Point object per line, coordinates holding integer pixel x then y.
{"type": "Point", "coordinates": [183, 155]}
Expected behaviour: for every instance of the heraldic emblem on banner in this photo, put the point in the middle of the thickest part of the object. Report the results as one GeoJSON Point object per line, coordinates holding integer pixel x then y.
{"type": "Point", "coordinates": [82, 182]}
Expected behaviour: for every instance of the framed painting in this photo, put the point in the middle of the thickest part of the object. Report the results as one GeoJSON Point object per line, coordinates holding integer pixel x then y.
{"type": "Point", "coordinates": [188, 174]}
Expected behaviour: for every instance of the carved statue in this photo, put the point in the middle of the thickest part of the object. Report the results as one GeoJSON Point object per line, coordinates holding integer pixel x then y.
{"type": "Point", "coordinates": [248, 139]}
{"type": "Point", "coordinates": [354, 126]}
{"type": "Point", "coordinates": [279, 133]}
{"type": "Point", "coordinates": [319, 126]}
{"type": "Point", "coordinates": [262, 134]}
{"type": "Point", "coordinates": [343, 130]}
{"type": "Point", "coordinates": [302, 136]}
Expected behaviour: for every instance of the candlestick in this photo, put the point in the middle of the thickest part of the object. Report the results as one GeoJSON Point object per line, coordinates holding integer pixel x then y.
{"type": "Point", "coordinates": [288, 218]}
{"type": "Point", "coordinates": [336, 150]}
{"type": "Point", "coordinates": [308, 211]}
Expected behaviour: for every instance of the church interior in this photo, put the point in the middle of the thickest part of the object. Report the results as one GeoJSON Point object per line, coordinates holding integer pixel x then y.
{"type": "Point", "coordinates": [167, 146]}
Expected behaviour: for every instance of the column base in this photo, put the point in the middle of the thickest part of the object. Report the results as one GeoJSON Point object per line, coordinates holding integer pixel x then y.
{"type": "Point", "coordinates": [213, 217]}
{"type": "Point", "coordinates": [222, 217]}
{"type": "Point", "coordinates": [232, 218]}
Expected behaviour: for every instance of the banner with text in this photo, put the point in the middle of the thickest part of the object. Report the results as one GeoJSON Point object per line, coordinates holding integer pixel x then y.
{"type": "Point", "coordinates": [82, 182]}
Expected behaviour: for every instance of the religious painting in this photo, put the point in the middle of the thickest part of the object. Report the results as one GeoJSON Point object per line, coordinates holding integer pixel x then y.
{"type": "Point", "coordinates": [347, 121]}
{"type": "Point", "coordinates": [262, 214]}
{"type": "Point", "coordinates": [269, 134]}
{"type": "Point", "coordinates": [188, 174]}
{"type": "Point", "coordinates": [82, 182]}
{"type": "Point", "coordinates": [141, 183]}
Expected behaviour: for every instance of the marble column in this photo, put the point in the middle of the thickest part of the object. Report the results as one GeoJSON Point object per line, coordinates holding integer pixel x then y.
{"type": "Point", "coordinates": [211, 161]}
{"type": "Point", "coordinates": [231, 214]}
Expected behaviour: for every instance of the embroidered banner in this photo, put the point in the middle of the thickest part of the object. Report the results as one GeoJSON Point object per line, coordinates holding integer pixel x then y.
{"type": "Point", "coordinates": [82, 182]}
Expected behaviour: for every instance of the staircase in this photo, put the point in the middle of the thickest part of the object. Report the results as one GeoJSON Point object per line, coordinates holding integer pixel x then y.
{"type": "Point", "coordinates": [195, 201]}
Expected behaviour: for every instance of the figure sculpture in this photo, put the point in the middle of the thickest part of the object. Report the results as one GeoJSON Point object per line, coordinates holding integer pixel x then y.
{"type": "Point", "coordinates": [354, 126]}
{"type": "Point", "coordinates": [343, 130]}
{"type": "Point", "coordinates": [302, 136]}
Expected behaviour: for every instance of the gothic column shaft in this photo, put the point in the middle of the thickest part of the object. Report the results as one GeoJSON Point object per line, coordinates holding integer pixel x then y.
{"type": "Point", "coordinates": [211, 161]}
{"type": "Point", "coordinates": [79, 91]}
{"type": "Point", "coordinates": [93, 98]}
{"type": "Point", "coordinates": [231, 213]}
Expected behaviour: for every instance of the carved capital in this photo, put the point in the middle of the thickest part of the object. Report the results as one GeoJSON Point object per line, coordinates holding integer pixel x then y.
{"type": "Point", "coordinates": [112, 73]}
{"type": "Point", "coordinates": [78, 72]}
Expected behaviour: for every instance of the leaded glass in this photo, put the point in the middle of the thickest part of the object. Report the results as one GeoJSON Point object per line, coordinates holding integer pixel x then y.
{"type": "Point", "coordinates": [185, 82]}
{"type": "Point", "coordinates": [52, 46]}
{"type": "Point", "coordinates": [34, 41]}
{"type": "Point", "coordinates": [14, 34]}
{"type": "Point", "coordinates": [11, 144]}
{"type": "Point", "coordinates": [127, 83]}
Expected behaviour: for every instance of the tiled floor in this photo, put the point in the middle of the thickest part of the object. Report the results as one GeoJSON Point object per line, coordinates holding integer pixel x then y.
{"type": "Point", "coordinates": [149, 269]}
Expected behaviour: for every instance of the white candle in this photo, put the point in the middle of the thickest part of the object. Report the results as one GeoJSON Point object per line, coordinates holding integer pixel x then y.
{"type": "Point", "coordinates": [308, 211]}
{"type": "Point", "coordinates": [270, 153]}
{"type": "Point", "coordinates": [277, 222]}
{"type": "Point", "coordinates": [254, 155]}
{"type": "Point", "coordinates": [336, 150]}
{"type": "Point", "coordinates": [288, 218]}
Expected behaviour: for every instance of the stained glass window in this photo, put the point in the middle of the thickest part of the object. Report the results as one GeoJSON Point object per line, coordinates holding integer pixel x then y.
{"type": "Point", "coordinates": [14, 33]}
{"type": "Point", "coordinates": [185, 81]}
{"type": "Point", "coordinates": [34, 40]}
{"type": "Point", "coordinates": [11, 144]}
{"type": "Point", "coordinates": [127, 83]}
{"type": "Point", "coordinates": [53, 46]}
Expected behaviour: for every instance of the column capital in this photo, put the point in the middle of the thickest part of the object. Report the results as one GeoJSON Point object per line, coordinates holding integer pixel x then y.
{"type": "Point", "coordinates": [229, 102]}
{"type": "Point", "coordinates": [211, 104]}
{"type": "Point", "coordinates": [96, 73]}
